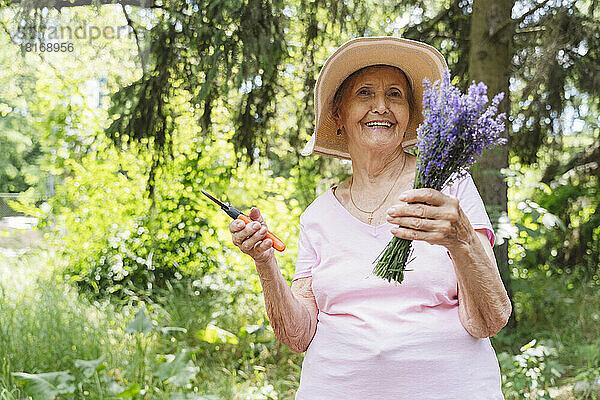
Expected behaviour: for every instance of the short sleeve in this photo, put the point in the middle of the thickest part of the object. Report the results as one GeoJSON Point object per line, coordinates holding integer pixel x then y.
{"type": "Point", "coordinates": [472, 205]}
{"type": "Point", "coordinates": [307, 256]}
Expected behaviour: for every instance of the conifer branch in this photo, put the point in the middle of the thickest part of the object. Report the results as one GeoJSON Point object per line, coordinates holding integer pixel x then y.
{"type": "Point", "coordinates": [137, 39]}
{"type": "Point", "coordinates": [518, 20]}
{"type": "Point", "coordinates": [431, 23]}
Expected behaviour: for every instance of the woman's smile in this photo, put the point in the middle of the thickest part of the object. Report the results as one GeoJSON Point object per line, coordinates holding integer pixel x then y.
{"type": "Point", "coordinates": [379, 125]}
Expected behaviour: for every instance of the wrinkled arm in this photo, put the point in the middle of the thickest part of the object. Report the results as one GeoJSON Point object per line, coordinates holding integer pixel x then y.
{"type": "Point", "coordinates": [484, 306]}
{"type": "Point", "coordinates": [291, 311]}
{"type": "Point", "coordinates": [302, 289]}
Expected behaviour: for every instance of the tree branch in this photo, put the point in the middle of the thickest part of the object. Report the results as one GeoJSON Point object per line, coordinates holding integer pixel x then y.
{"type": "Point", "coordinates": [532, 29]}
{"type": "Point", "coordinates": [137, 39]}
{"type": "Point", "coordinates": [586, 157]}
{"type": "Point", "coordinates": [58, 4]}
{"type": "Point", "coordinates": [432, 22]}
{"type": "Point", "coordinates": [518, 20]}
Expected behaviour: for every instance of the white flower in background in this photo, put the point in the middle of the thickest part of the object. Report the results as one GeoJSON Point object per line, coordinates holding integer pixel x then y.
{"type": "Point", "coordinates": [117, 268]}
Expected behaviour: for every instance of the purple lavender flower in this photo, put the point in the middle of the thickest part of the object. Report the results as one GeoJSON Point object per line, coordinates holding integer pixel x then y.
{"type": "Point", "coordinates": [456, 130]}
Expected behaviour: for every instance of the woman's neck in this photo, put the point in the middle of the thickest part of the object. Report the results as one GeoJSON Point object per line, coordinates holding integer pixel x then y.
{"type": "Point", "coordinates": [375, 187]}
{"type": "Point", "coordinates": [373, 174]}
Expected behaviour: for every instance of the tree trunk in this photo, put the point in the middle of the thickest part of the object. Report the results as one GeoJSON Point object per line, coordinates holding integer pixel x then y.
{"type": "Point", "coordinates": [490, 61]}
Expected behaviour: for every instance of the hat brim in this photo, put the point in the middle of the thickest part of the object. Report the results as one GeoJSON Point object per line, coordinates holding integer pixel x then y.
{"type": "Point", "coordinates": [416, 59]}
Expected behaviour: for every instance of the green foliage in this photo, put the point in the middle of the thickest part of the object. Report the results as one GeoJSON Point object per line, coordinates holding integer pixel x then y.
{"type": "Point", "coordinates": [178, 371]}
{"type": "Point", "coordinates": [587, 381]}
{"type": "Point", "coordinates": [88, 368]}
{"type": "Point", "coordinates": [46, 386]}
{"type": "Point", "coordinates": [132, 391]}
{"type": "Point", "coordinates": [240, 45]}
{"type": "Point", "coordinates": [21, 143]}
{"type": "Point", "coordinates": [102, 225]}
{"type": "Point", "coordinates": [214, 334]}
{"type": "Point", "coordinates": [554, 55]}
{"type": "Point", "coordinates": [542, 305]}
{"type": "Point", "coordinates": [529, 374]}
{"type": "Point", "coordinates": [118, 244]}
{"type": "Point", "coordinates": [555, 219]}
{"type": "Point", "coordinates": [105, 360]}
{"type": "Point", "coordinates": [37, 328]}
{"type": "Point", "coordinates": [141, 323]}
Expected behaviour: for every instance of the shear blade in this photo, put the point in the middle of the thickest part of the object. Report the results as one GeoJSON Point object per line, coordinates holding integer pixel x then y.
{"type": "Point", "coordinates": [215, 200]}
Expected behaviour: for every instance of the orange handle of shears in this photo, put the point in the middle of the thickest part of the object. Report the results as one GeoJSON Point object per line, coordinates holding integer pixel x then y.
{"type": "Point", "coordinates": [277, 243]}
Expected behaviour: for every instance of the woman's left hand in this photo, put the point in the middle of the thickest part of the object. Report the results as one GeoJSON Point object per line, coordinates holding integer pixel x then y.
{"type": "Point", "coordinates": [439, 221]}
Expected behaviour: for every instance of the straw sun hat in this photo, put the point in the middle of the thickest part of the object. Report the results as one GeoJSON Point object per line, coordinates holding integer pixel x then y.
{"type": "Point", "coordinates": [417, 60]}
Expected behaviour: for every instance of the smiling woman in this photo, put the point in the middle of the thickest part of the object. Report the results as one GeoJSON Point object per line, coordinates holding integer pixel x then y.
{"type": "Point", "coordinates": [372, 109]}
{"type": "Point", "coordinates": [366, 337]}
{"type": "Point", "coordinates": [339, 94]}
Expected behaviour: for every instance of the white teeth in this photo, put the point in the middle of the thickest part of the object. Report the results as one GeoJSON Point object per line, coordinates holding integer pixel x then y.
{"type": "Point", "coordinates": [378, 124]}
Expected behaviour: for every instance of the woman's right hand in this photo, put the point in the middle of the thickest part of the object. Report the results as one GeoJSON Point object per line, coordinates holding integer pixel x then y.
{"type": "Point", "coordinates": [249, 237]}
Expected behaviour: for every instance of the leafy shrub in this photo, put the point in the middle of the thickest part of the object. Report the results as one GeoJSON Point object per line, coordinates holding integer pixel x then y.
{"type": "Point", "coordinates": [528, 375]}
{"type": "Point", "coordinates": [114, 241]}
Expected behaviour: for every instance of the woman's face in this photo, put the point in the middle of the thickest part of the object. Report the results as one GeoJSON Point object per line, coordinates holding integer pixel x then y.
{"type": "Point", "coordinates": [376, 94]}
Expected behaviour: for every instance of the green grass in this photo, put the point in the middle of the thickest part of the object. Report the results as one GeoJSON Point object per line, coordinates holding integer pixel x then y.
{"type": "Point", "coordinates": [6, 394]}
{"type": "Point", "coordinates": [45, 326]}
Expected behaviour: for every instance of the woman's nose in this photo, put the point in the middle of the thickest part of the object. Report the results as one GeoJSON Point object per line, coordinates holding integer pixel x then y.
{"type": "Point", "coordinates": [379, 103]}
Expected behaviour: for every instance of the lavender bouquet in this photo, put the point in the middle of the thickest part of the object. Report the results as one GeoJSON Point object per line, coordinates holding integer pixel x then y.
{"type": "Point", "coordinates": [456, 130]}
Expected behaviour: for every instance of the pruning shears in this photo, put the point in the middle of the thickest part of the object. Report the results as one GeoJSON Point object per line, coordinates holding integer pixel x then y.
{"type": "Point", "coordinates": [236, 214]}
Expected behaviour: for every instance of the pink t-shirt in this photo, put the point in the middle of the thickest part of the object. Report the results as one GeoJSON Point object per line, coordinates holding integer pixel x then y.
{"type": "Point", "coordinates": [380, 340]}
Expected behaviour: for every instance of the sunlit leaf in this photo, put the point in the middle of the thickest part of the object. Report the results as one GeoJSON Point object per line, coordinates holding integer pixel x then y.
{"type": "Point", "coordinates": [529, 345]}
{"type": "Point", "coordinates": [114, 388]}
{"type": "Point", "coordinates": [47, 385]}
{"type": "Point", "coordinates": [179, 371]}
{"type": "Point", "coordinates": [214, 334]}
{"type": "Point", "coordinates": [131, 391]}
{"type": "Point", "coordinates": [141, 323]}
{"type": "Point", "coordinates": [88, 368]}
{"type": "Point", "coordinates": [252, 328]}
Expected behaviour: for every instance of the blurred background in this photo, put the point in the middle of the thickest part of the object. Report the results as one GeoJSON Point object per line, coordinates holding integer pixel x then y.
{"type": "Point", "coordinates": [118, 278]}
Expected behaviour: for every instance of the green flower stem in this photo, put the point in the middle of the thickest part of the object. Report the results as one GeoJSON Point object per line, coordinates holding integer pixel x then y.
{"type": "Point", "coordinates": [391, 262]}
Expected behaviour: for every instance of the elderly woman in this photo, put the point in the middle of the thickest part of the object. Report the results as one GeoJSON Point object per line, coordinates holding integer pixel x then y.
{"type": "Point", "coordinates": [364, 337]}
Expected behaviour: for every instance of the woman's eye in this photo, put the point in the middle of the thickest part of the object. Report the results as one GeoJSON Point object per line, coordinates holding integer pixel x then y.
{"type": "Point", "coordinates": [363, 91]}
{"type": "Point", "coordinates": [396, 93]}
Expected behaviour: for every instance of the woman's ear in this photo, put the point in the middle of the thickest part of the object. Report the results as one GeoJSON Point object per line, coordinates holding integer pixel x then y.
{"type": "Point", "coordinates": [336, 116]}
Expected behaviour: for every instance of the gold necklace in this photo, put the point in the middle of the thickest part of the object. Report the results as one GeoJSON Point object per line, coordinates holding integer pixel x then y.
{"type": "Point", "coordinates": [386, 196]}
